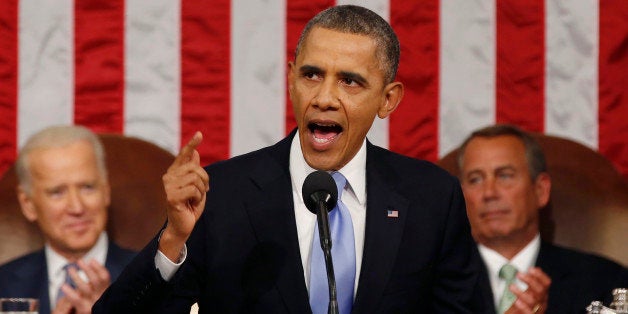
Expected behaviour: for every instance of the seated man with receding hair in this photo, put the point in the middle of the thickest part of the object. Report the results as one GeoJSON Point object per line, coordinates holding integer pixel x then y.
{"type": "Point", "coordinates": [505, 183]}
{"type": "Point", "coordinates": [63, 187]}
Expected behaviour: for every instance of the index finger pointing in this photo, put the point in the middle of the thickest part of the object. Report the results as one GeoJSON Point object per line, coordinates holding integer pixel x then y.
{"type": "Point", "coordinates": [187, 151]}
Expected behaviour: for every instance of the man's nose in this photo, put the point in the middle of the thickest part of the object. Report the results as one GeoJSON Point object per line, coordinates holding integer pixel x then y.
{"type": "Point", "coordinates": [489, 190]}
{"type": "Point", "coordinates": [327, 97]}
{"type": "Point", "coordinates": [76, 203]}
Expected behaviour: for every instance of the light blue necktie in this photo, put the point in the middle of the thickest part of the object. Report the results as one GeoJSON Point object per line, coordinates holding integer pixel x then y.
{"type": "Point", "coordinates": [343, 258]}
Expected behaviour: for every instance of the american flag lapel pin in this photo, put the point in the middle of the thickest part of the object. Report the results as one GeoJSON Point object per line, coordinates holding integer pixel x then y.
{"type": "Point", "coordinates": [391, 213]}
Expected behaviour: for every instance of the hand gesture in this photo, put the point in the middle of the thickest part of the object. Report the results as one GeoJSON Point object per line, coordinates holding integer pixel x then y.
{"type": "Point", "coordinates": [81, 299]}
{"type": "Point", "coordinates": [534, 299]}
{"type": "Point", "coordinates": [186, 183]}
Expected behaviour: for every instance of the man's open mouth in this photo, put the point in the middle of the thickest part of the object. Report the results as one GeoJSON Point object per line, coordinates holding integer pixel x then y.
{"type": "Point", "coordinates": [324, 132]}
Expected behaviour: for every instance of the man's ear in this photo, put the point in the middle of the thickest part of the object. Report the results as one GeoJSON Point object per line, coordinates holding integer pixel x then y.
{"type": "Point", "coordinates": [26, 204]}
{"type": "Point", "coordinates": [393, 93]}
{"type": "Point", "coordinates": [542, 188]}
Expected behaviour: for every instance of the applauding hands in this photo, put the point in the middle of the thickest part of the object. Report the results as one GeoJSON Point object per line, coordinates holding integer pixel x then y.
{"type": "Point", "coordinates": [533, 299]}
{"type": "Point", "coordinates": [80, 299]}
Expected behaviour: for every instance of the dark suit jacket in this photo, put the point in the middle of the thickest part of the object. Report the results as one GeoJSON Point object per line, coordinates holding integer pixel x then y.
{"type": "Point", "coordinates": [243, 255]}
{"type": "Point", "coordinates": [27, 276]}
{"type": "Point", "coordinates": [577, 279]}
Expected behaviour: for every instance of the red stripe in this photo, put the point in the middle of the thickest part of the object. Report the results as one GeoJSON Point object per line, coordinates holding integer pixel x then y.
{"type": "Point", "coordinates": [99, 64]}
{"type": "Point", "coordinates": [613, 82]}
{"type": "Point", "coordinates": [299, 12]}
{"type": "Point", "coordinates": [413, 128]}
{"type": "Point", "coordinates": [205, 75]}
{"type": "Point", "coordinates": [520, 63]}
{"type": "Point", "coordinates": [8, 85]}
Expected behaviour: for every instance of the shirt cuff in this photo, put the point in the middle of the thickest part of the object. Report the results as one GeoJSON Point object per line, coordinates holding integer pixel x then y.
{"type": "Point", "coordinates": [166, 267]}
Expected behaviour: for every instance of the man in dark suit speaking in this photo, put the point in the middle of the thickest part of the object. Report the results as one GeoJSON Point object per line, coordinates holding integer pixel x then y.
{"type": "Point", "coordinates": [247, 244]}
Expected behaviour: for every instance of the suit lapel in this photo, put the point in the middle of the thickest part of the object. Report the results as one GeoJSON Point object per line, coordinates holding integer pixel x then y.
{"type": "Point", "coordinates": [547, 260]}
{"type": "Point", "coordinates": [382, 232]}
{"type": "Point", "coordinates": [274, 224]}
{"type": "Point", "coordinates": [44, 292]}
{"type": "Point", "coordinates": [484, 292]}
{"type": "Point", "coordinates": [117, 259]}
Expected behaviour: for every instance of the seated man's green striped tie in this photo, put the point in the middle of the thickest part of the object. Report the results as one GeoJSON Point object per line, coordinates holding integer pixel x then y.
{"type": "Point", "coordinates": [507, 273]}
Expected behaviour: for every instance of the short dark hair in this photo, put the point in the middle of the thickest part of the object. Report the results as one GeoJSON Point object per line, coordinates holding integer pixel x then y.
{"type": "Point", "coordinates": [362, 21]}
{"type": "Point", "coordinates": [534, 153]}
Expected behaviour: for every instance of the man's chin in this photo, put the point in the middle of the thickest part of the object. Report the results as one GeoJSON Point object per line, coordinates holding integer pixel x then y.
{"type": "Point", "coordinates": [320, 161]}
{"type": "Point", "coordinates": [82, 243]}
{"type": "Point", "coordinates": [492, 230]}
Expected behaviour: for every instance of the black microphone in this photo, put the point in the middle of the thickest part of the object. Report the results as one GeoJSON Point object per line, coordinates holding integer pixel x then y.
{"type": "Point", "coordinates": [319, 195]}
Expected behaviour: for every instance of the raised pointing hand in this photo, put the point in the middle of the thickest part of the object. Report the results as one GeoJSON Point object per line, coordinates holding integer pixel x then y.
{"type": "Point", "coordinates": [185, 183]}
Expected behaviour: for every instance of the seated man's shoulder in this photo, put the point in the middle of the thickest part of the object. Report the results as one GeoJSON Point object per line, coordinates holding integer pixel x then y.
{"type": "Point", "coordinates": [26, 266]}
{"type": "Point", "coordinates": [579, 277]}
{"type": "Point", "coordinates": [589, 263]}
{"type": "Point", "coordinates": [412, 168]}
{"type": "Point", "coordinates": [122, 253]}
{"type": "Point", "coordinates": [37, 257]}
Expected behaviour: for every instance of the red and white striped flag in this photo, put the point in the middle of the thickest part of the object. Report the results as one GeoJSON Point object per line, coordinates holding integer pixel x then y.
{"type": "Point", "coordinates": [162, 69]}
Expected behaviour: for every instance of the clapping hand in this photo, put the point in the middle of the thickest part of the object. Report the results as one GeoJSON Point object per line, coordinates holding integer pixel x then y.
{"type": "Point", "coordinates": [533, 299]}
{"type": "Point", "coordinates": [80, 300]}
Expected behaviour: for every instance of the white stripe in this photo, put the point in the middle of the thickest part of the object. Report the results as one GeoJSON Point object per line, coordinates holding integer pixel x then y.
{"type": "Point", "coordinates": [152, 72]}
{"type": "Point", "coordinates": [46, 65]}
{"type": "Point", "coordinates": [467, 70]}
{"type": "Point", "coordinates": [378, 134]}
{"type": "Point", "coordinates": [571, 104]}
{"type": "Point", "coordinates": [258, 74]}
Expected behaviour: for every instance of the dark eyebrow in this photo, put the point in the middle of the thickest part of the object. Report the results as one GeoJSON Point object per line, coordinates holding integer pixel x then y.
{"type": "Point", "coordinates": [310, 69]}
{"type": "Point", "coordinates": [343, 74]}
{"type": "Point", "coordinates": [354, 77]}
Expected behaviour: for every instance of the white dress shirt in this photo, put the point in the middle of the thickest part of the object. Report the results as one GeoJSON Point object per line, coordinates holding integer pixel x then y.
{"type": "Point", "coordinates": [56, 262]}
{"type": "Point", "coordinates": [354, 197]}
{"type": "Point", "coordinates": [523, 261]}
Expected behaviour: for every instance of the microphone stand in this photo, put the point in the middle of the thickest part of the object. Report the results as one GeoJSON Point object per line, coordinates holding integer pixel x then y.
{"type": "Point", "coordinates": [325, 237]}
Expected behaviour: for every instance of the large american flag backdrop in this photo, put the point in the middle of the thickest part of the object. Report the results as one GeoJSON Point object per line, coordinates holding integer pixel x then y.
{"type": "Point", "coordinates": [162, 69]}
